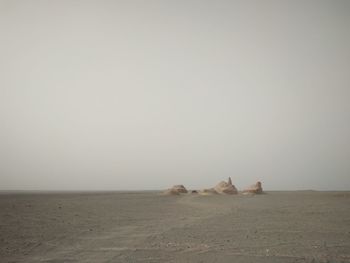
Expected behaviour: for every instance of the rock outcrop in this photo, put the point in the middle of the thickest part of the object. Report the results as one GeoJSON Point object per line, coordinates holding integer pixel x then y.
{"type": "Point", "coordinates": [254, 189]}
{"type": "Point", "coordinates": [180, 188]}
{"type": "Point", "coordinates": [176, 190]}
{"type": "Point", "coordinates": [226, 187]}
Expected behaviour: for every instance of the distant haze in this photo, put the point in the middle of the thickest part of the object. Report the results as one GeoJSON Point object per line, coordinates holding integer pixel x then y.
{"type": "Point", "coordinates": [104, 95]}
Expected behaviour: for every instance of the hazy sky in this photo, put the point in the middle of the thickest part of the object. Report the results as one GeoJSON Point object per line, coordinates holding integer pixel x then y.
{"type": "Point", "coordinates": [147, 94]}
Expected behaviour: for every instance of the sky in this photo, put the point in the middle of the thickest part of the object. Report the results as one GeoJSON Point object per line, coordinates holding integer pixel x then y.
{"type": "Point", "coordinates": [133, 95]}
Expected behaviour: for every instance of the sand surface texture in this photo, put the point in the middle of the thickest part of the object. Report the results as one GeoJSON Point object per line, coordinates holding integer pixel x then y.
{"type": "Point", "coordinates": [149, 227]}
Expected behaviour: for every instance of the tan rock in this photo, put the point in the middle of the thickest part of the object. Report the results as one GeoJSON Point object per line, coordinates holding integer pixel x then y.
{"type": "Point", "coordinates": [180, 188]}
{"type": "Point", "coordinates": [254, 189]}
{"type": "Point", "coordinates": [226, 188]}
{"type": "Point", "coordinates": [176, 190]}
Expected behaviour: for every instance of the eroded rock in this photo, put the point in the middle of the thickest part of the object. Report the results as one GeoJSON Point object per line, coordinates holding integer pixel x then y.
{"type": "Point", "coordinates": [254, 189]}
{"type": "Point", "coordinates": [176, 190]}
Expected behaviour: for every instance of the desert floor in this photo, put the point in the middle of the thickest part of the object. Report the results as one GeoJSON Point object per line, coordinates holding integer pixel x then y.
{"type": "Point", "coordinates": [148, 227]}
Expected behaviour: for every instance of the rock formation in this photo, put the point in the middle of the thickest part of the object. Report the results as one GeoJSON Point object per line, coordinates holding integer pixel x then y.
{"type": "Point", "coordinates": [254, 189]}
{"type": "Point", "coordinates": [176, 190]}
{"type": "Point", "coordinates": [226, 187]}
{"type": "Point", "coordinates": [180, 188]}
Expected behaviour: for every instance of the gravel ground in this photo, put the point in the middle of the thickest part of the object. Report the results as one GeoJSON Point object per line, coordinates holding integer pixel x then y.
{"type": "Point", "coordinates": [301, 226]}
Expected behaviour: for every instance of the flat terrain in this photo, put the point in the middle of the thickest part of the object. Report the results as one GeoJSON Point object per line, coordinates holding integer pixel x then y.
{"type": "Point", "coordinates": [147, 227]}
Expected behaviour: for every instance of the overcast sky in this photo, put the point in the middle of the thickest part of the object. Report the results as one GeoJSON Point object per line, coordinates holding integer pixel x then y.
{"type": "Point", "coordinates": [146, 94]}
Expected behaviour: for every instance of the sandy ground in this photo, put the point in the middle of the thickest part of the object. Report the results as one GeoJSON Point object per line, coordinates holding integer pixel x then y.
{"type": "Point", "coordinates": [147, 227]}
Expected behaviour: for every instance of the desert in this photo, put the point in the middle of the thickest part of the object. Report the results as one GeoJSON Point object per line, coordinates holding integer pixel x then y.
{"type": "Point", "coordinates": [214, 131]}
{"type": "Point", "coordinates": [146, 226]}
